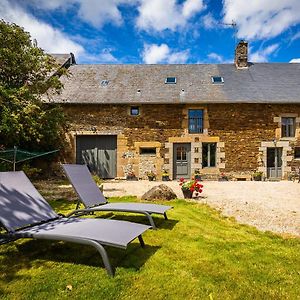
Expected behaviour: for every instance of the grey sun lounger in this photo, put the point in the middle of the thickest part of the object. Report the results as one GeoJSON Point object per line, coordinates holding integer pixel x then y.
{"type": "Point", "coordinates": [93, 200]}
{"type": "Point", "coordinates": [25, 214]}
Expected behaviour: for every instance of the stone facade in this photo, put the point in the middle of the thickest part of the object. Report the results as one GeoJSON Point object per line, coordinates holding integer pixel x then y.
{"type": "Point", "coordinates": [242, 133]}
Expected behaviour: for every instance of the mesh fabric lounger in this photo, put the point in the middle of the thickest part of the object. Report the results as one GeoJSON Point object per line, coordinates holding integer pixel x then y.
{"type": "Point", "coordinates": [25, 214]}
{"type": "Point", "coordinates": [93, 200]}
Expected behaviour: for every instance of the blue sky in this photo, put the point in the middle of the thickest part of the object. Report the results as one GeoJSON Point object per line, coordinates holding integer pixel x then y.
{"type": "Point", "coordinates": [160, 31]}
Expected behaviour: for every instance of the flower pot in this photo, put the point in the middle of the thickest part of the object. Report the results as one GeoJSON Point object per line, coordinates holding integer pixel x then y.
{"type": "Point", "coordinates": [165, 178]}
{"type": "Point", "coordinates": [198, 177]}
{"type": "Point", "coordinates": [187, 194]}
{"type": "Point", "coordinates": [151, 178]}
{"type": "Point", "coordinates": [223, 179]}
{"type": "Point", "coordinates": [131, 178]}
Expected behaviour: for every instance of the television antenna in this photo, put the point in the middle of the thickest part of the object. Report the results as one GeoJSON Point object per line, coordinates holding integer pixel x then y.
{"type": "Point", "coordinates": [234, 27]}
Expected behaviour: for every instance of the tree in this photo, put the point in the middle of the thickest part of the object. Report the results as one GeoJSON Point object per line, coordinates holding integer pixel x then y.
{"type": "Point", "coordinates": [26, 74]}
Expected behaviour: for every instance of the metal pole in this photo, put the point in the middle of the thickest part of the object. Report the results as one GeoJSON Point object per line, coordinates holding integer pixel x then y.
{"type": "Point", "coordinates": [15, 157]}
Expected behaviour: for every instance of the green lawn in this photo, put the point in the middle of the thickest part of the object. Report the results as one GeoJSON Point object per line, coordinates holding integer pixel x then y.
{"type": "Point", "coordinates": [196, 254]}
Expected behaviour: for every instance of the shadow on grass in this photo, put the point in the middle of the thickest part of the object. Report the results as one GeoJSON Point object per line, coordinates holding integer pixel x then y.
{"type": "Point", "coordinates": [33, 253]}
{"type": "Point", "coordinates": [160, 222]}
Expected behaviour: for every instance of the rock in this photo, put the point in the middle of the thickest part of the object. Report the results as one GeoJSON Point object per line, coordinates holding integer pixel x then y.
{"type": "Point", "coordinates": [162, 192]}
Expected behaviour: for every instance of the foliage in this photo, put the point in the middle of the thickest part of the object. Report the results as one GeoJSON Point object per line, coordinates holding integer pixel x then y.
{"type": "Point", "coordinates": [31, 172]}
{"type": "Point", "coordinates": [197, 172]}
{"type": "Point", "coordinates": [223, 176]}
{"type": "Point", "coordinates": [192, 185]}
{"type": "Point", "coordinates": [26, 73]}
{"type": "Point", "coordinates": [257, 175]}
{"type": "Point", "coordinates": [98, 181]}
{"type": "Point", "coordinates": [151, 174]}
{"type": "Point", "coordinates": [165, 172]}
{"type": "Point", "coordinates": [211, 257]}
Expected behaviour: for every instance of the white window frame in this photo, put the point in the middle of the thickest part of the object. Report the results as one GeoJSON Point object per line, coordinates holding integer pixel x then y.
{"type": "Point", "coordinates": [217, 82]}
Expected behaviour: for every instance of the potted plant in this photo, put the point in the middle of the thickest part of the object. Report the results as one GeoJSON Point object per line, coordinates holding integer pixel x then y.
{"type": "Point", "coordinates": [257, 176]}
{"type": "Point", "coordinates": [197, 175]}
{"type": "Point", "coordinates": [131, 176]}
{"type": "Point", "coordinates": [165, 175]}
{"type": "Point", "coordinates": [223, 177]}
{"type": "Point", "coordinates": [189, 187]}
{"type": "Point", "coordinates": [151, 175]}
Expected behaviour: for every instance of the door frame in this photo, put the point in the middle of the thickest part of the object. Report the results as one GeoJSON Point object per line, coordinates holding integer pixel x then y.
{"type": "Point", "coordinates": [175, 145]}
{"type": "Point", "coordinates": [276, 170]}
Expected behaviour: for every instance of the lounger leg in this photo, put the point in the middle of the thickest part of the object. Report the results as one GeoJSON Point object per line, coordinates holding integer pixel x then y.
{"type": "Point", "coordinates": [141, 241]}
{"type": "Point", "coordinates": [165, 215]}
{"type": "Point", "coordinates": [104, 256]}
{"type": "Point", "coordinates": [150, 220]}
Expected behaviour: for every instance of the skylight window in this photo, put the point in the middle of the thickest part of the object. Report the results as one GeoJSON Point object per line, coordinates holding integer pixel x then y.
{"type": "Point", "coordinates": [170, 80]}
{"type": "Point", "coordinates": [104, 82]}
{"type": "Point", "coordinates": [134, 110]}
{"type": "Point", "coordinates": [217, 79]}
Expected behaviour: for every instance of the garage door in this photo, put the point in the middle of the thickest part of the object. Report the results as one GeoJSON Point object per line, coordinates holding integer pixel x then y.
{"type": "Point", "coordinates": [99, 153]}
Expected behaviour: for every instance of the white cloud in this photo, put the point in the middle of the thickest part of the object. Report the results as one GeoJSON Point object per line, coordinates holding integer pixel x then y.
{"type": "Point", "coordinates": [295, 60]}
{"type": "Point", "coordinates": [209, 22]}
{"type": "Point", "coordinates": [104, 57]}
{"type": "Point", "coordinates": [107, 57]}
{"type": "Point", "coordinates": [261, 19]}
{"type": "Point", "coordinates": [153, 14]}
{"type": "Point", "coordinates": [180, 57]}
{"type": "Point", "coordinates": [98, 12]}
{"type": "Point", "coordinates": [295, 36]}
{"type": "Point", "coordinates": [50, 39]}
{"type": "Point", "coordinates": [215, 57]}
{"type": "Point", "coordinates": [95, 12]}
{"type": "Point", "coordinates": [262, 55]}
{"type": "Point", "coordinates": [191, 7]}
{"type": "Point", "coordinates": [159, 15]}
{"type": "Point", "coordinates": [154, 54]}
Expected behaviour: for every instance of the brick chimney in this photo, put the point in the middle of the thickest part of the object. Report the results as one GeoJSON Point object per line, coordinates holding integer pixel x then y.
{"type": "Point", "coordinates": [241, 55]}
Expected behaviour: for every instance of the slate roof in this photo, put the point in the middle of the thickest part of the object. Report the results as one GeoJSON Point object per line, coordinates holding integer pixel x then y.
{"type": "Point", "coordinates": [61, 58]}
{"type": "Point", "coordinates": [260, 83]}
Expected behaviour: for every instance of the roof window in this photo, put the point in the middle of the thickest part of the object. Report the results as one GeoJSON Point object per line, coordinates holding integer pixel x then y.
{"type": "Point", "coordinates": [217, 79]}
{"type": "Point", "coordinates": [170, 80]}
{"type": "Point", "coordinates": [134, 111]}
{"type": "Point", "coordinates": [104, 82]}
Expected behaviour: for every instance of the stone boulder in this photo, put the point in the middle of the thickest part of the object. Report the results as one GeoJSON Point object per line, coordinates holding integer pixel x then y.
{"type": "Point", "coordinates": [160, 192]}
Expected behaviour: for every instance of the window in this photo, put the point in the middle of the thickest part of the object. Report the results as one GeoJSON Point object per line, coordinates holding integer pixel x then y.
{"type": "Point", "coordinates": [209, 154]}
{"type": "Point", "coordinates": [134, 110]}
{"type": "Point", "coordinates": [147, 151]}
{"type": "Point", "coordinates": [297, 152]}
{"type": "Point", "coordinates": [104, 82]}
{"type": "Point", "coordinates": [288, 127]}
{"type": "Point", "coordinates": [195, 120]}
{"type": "Point", "coordinates": [217, 79]}
{"type": "Point", "coordinates": [170, 80]}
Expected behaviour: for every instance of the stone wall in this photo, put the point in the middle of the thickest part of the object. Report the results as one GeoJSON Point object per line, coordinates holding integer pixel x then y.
{"type": "Point", "coordinates": [239, 128]}
{"type": "Point", "coordinates": [243, 127]}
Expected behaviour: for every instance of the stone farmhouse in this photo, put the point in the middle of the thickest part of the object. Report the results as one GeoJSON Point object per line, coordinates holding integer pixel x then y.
{"type": "Point", "coordinates": [216, 118]}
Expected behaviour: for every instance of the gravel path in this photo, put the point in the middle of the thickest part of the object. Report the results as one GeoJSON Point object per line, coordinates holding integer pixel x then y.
{"type": "Point", "coordinates": [273, 206]}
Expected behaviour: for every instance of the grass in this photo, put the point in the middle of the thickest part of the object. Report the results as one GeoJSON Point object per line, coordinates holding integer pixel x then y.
{"type": "Point", "coordinates": [196, 254]}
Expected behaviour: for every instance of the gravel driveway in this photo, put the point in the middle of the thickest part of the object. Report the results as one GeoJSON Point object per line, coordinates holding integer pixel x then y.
{"type": "Point", "coordinates": [273, 206]}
